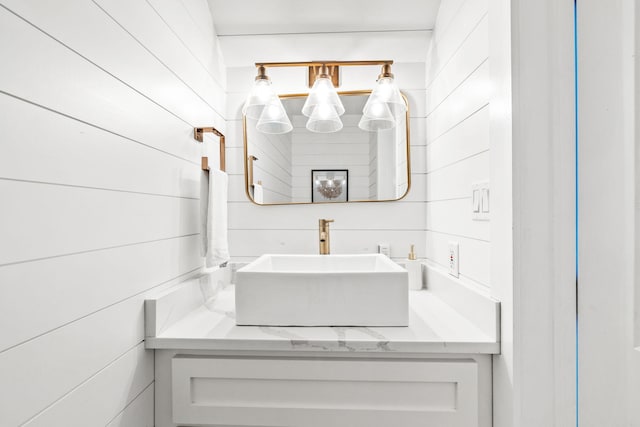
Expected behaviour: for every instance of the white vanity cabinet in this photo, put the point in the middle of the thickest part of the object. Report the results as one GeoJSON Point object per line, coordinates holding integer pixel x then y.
{"type": "Point", "coordinates": [319, 390]}
{"type": "Point", "coordinates": [434, 373]}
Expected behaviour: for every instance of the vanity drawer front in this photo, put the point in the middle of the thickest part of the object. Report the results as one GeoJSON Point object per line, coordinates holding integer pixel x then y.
{"type": "Point", "coordinates": [322, 393]}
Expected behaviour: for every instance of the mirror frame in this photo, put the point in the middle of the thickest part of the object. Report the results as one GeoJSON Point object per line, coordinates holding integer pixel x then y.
{"type": "Point", "coordinates": [346, 93]}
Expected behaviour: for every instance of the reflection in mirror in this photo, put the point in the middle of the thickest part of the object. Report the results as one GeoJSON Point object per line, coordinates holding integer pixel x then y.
{"type": "Point", "coordinates": [351, 164]}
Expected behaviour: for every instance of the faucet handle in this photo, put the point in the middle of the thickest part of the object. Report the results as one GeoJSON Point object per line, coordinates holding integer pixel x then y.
{"type": "Point", "coordinates": [324, 222]}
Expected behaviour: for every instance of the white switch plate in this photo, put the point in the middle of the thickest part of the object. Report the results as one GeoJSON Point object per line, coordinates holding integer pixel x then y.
{"type": "Point", "coordinates": [454, 259]}
{"type": "Point", "coordinates": [480, 201]}
{"type": "Point", "coordinates": [476, 200]}
{"type": "Point", "coordinates": [484, 200]}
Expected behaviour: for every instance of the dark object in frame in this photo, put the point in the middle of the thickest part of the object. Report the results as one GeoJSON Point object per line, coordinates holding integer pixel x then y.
{"type": "Point", "coordinates": [329, 185]}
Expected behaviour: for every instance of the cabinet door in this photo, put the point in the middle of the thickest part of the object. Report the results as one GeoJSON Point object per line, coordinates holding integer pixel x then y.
{"type": "Point", "coordinates": [321, 393]}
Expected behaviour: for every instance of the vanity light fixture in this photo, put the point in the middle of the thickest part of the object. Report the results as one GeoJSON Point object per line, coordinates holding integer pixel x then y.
{"type": "Point", "coordinates": [376, 116]}
{"type": "Point", "coordinates": [385, 104]}
{"type": "Point", "coordinates": [323, 92]}
{"type": "Point", "coordinates": [265, 106]}
{"type": "Point", "coordinates": [386, 91]}
{"type": "Point", "coordinates": [323, 106]}
{"type": "Point", "coordinates": [261, 93]}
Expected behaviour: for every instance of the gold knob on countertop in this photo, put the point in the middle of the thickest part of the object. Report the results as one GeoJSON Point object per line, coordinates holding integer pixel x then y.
{"type": "Point", "coordinates": [412, 254]}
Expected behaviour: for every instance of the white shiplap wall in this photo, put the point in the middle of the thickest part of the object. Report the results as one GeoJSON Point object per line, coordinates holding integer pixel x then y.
{"type": "Point", "coordinates": [358, 227]}
{"type": "Point", "coordinates": [346, 149]}
{"type": "Point", "coordinates": [373, 165]}
{"type": "Point", "coordinates": [457, 124]}
{"type": "Point", "coordinates": [99, 183]}
{"type": "Point", "coordinates": [273, 164]}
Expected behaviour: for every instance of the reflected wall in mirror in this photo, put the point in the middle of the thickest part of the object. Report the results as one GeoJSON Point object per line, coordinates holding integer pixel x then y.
{"type": "Point", "coordinates": [279, 168]}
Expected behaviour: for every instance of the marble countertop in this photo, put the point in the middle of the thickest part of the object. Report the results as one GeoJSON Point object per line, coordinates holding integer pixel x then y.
{"type": "Point", "coordinates": [434, 327]}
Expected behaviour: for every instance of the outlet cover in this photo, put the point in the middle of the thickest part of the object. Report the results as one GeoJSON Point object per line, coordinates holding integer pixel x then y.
{"type": "Point", "coordinates": [454, 259]}
{"type": "Point", "coordinates": [384, 249]}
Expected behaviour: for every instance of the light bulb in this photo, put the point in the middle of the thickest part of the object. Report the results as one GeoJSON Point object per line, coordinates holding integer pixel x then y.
{"type": "Point", "coordinates": [376, 116]}
{"type": "Point", "coordinates": [274, 118]}
{"type": "Point", "coordinates": [261, 93]}
{"type": "Point", "coordinates": [322, 93]}
{"type": "Point", "coordinates": [324, 111]}
{"type": "Point", "coordinates": [324, 119]}
{"type": "Point", "coordinates": [263, 90]}
{"type": "Point", "coordinates": [271, 112]}
{"type": "Point", "coordinates": [377, 110]}
{"type": "Point", "coordinates": [385, 90]}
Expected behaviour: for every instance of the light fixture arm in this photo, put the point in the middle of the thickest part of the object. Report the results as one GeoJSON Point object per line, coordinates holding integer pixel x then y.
{"type": "Point", "coordinates": [328, 69]}
{"type": "Point", "coordinates": [320, 63]}
{"type": "Point", "coordinates": [323, 105]}
{"type": "Point", "coordinates": [262, 73]}
{"type": "Point", "coordinates": [324, 73]}
{"type": "Point", "coordinates": [386, 72]}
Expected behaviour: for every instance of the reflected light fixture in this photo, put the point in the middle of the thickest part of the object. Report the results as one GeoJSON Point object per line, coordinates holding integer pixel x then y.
{"type": "Point", "coordinates": [324, 119]}
{"type": "Point", "coordinates": [376, 116]}
{"type": "Point", "coordinates": [274, 119]}
{"type": "Point", "coordinates": [323, 106]}
{"type": "Point", "coordinates": [330, 187]}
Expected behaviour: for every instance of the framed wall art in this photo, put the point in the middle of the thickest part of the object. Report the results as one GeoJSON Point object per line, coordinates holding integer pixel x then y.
{"type": "Point", "coordinates": [329, 185]}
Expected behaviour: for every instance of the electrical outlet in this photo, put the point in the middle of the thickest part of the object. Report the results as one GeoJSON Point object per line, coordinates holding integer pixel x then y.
{"type": "Point", "coordinates": [454, 259]}
{"type": "Point", "coordinates": [384, 249]}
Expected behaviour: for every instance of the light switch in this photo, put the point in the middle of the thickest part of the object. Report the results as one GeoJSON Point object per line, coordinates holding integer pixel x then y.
{"type": "Point", "coordinates": [476, 200]}
{"type": "Point", "coordinates": [480, 201]}
{"type": "Point", "coordinates": [485, 200]}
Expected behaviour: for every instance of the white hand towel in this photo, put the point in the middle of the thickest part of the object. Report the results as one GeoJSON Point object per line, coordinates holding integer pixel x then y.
{"type": "Point", "coordinates": [204, 208]}
{"type": "Point", "coordinates": [217, 241]}
{"type": "Point", "coordinates": [258, 193]}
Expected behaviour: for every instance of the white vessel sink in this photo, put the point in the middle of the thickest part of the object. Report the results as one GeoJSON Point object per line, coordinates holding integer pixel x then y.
{"type": "Point", "coordinates": [322, 290]}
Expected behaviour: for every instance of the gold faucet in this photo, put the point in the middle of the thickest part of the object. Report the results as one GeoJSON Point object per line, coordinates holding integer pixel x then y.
{"type": "Point", "coordinates": [325, 246]}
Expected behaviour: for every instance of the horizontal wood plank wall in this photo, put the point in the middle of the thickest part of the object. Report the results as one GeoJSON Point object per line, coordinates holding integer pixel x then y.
{"type": "Point", "coordinates": [311, 151]}
{"type": "Point", "coordinates": [457, 151]}
{"type": "Point", "coordinates": [273, 165]}
{"type": "Point", "coordinates": [358, 227]}
{"type": "Point", "coordinates": [99, 174]}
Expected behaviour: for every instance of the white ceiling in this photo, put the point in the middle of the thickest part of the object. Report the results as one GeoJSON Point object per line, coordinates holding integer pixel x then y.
{"type": "Point", "coordinates": [251, 17]}
{"type": "Point", "coordinates": [295, 30]}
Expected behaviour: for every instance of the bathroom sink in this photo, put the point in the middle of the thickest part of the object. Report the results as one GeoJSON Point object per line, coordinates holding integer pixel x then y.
{"type": "Point", "coordinates": [322, 290]}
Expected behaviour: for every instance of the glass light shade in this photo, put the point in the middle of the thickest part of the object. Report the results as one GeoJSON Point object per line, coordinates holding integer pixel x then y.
{"type": "Point", "coordinates": [324, 119]}
{"type": "Point", "coordinates": [387, 91]}
{"type": "Point", "coordinates": [274, 118]}
{"type": "Point", "coordinates": [376, 116]}
{"type": "Point", "coordinates": [322, 93]}
{"type": "Point", "coordinates": [261, 93]}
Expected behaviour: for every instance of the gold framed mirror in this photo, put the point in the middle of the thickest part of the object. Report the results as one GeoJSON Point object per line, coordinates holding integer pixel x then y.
{"type": "Point", "coordinates": [345, 166]}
